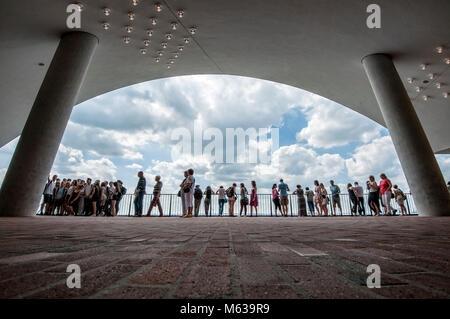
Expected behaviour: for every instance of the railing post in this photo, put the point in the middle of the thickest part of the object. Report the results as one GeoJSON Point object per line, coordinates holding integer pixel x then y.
{"type": "Point", "coordinates": [170, 206]}
{"type": "Point", "coordinates": [407, 204]}
{"type": "Point", "coordinates": [129, 206]}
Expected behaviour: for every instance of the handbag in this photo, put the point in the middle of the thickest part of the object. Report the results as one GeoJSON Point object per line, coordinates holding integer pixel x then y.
{"type": "Point", "coordinates": [225, 200]}
{"type": "Point", "coordinates": [179, 193]}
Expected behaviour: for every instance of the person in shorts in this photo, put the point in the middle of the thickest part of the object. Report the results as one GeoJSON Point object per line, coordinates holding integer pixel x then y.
{"type": "Point", "coordinates": [335, 198]}
{"type": "Point", "coordinates": [284, 201]}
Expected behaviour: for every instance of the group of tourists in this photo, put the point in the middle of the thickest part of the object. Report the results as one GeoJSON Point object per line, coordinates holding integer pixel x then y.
{"type": "Point", "coordinates": [81, 197]}
{"type": "Point", "coordinates": [84, 198]}
{"type": "Point", "coordinates": [317, 200]}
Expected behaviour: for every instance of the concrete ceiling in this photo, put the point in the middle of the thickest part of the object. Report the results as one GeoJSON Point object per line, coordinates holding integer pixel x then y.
{"type": "Point", "coordinates": [316, 45]}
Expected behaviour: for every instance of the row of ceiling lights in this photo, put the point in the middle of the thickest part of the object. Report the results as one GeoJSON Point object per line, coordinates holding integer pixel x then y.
{"type": "Point", "coordinates": [431, 76]}
{"type": "Point", "coordinates": [153, 20]}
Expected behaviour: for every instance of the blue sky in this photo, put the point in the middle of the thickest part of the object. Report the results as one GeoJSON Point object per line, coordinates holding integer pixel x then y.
{"type": "Point", "coordinates": [116, 134]}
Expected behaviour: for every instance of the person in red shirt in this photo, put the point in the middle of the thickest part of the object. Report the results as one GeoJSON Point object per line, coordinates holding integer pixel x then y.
{"type": "Point", "coordinates": [386, 193]}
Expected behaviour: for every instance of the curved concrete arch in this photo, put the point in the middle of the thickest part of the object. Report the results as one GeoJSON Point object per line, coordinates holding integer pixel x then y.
{"type": "Point", "coordinates": [315, 45]}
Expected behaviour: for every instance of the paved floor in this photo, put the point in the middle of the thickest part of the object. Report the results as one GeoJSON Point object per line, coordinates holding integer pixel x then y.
{"type": "Point", "coordinates": [224, 257]}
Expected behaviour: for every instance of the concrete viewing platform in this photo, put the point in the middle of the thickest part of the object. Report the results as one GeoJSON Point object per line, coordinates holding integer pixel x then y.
{"type": "Point", "coordinates": [225, 257]}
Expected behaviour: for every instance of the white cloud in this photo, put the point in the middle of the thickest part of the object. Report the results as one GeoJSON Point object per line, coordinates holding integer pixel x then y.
{"type": "Point", "coordinates": [70, 163]}
{"type": "Point", "coordinates": [378, 156]}
{"type": "Point", "coordinates": [134, 166]}
{"type": "Point", "coordinates": [331, 125]}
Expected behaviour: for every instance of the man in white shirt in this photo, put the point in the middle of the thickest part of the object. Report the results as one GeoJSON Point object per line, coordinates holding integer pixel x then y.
{"type": "Point", "coordinates": [48, 195]}
{"type": "Point", "coordinates": [88, 187]}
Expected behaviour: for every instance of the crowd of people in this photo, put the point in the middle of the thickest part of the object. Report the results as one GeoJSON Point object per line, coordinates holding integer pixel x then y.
{"type": "Point", "coordinates": [84, 198]}
{"type": "Point", "coordinates": [81, 197]}
{"type": "Point", "coordinates": [316, 201]}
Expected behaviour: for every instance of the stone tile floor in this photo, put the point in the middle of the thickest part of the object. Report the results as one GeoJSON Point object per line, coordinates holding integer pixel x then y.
{"type": "Point", "coordinates": [225, 257]}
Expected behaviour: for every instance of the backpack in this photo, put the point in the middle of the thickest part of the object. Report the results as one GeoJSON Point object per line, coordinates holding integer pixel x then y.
{"type": "Point", "coordinates": [198, 194]}
{"type": "Point", "coordinates": [123, 190]}
{"type": "Point", "coordinates": [230, 192]}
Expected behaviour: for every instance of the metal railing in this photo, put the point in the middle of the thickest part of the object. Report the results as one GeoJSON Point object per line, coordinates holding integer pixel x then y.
{"type": "Point", "coordinates": [172, 206]}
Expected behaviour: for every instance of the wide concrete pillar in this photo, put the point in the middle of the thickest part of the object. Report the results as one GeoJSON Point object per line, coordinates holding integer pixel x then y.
{"type": "Point", "coordinates": [33, 158]}
{"type": "Point", "coordinates": [413, 149]}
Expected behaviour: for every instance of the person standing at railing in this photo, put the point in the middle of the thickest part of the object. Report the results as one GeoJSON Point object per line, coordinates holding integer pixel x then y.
{"type": "Point", "coordinates": [244, 200]}
{"type": "Point", "coordinates": [386, 193]}
{"type": "Point", "coordinates": [221, 193]}
{"type": "Point", "coordinates": [400, 199]}
{"type": "Point", "coordinates": [317, 197]}
{"type": "Point", "coordinates": [189, 195]}
{"type": "Point", "coordinates": [139, 194]}
{"type": "Point", "coordinates": [353, 199]}
{"type": "Point", "coordinates": [310, 200]}
{"type": "Point", "coordinates": [374, 202]}
{"type": "Point", "coordinates": [359, 192]}
{"type": "Point", "coordinates": [182, 194]}
{"type": "Point", "coordinates": [335, 197]}
{"type": "Point", "coordinates": [121, 190]}
{"type": "Point", "coordinates": [301, 203]}
{"type": "Point", "coordinates": [208, 192]}
{"type": "Point", "coordinates": [48, 195]}
{"type": "Point", "coordinates": [156, 195]}
{"type": "Point", "coordinates": [284, 201]}
{"type": "Point", "coordinates": [325, 200]}
{"type": "Point", "coordinates": [276, 199]}
{"type": "Point", "coordinates": [254, 200]}
{"type": "Point", "coordinates": [198, 196]}
{"type": "Point", "coordinates": [231, 194]}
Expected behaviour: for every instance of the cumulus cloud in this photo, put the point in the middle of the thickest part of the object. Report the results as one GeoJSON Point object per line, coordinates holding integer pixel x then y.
{"type": "Point", "coordinates": [378, 156]}
{"type": "Point", "coordinates": [331, 125]}
{"type": "Point", "coordinates": [70, 163]}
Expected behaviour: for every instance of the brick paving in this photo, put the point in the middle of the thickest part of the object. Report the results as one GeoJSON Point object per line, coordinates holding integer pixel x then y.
{"type": "Point", "coordinates": [225, 257]}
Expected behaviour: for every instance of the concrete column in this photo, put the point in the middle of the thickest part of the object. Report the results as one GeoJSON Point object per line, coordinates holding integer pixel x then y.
{"type": "Point", "coordinates": [33, 158]}
{"type": "Point", "coordinates": [414, 151]}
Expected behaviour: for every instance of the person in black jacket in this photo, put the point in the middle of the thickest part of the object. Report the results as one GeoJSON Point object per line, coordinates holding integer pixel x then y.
{"type": "Point", "coordinates": [139, 194]}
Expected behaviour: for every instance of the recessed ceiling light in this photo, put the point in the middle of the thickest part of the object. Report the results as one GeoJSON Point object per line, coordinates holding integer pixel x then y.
{"type": "Point", "coordinates": [180, 13]}
{"type": "Point", "coordinates": [174, 25]}
{"type": "Point", "coordinates": [169, 66]}
{"type": "Point", "coordinates": [131, 16]}
{"type": "Point", "coordinates": [126, 40]}
{"type": "Point", "coordinates": [158, 7]}
{"type": "Point", "coordinates": [447, 60]}
{"type": "Point", "coordinates": [431, 76]}
{"type": "Point", "coordinates": [135, 2]}
{"type": "Point", "coordinates": [169, 36]}
{"type": "Point", "coordinates": [423, 67]}
{"type": "Point", "coordinates": [440, 49]}
{"type": "Point", "coordinates": [171, 61]}
{"type": "Point", "coordinates": [153, 20]}
{"type": "Point", "coordinates": [164, 44]}
{"type": "Point", "coordinates": [144, 51]}
{"type": "Point", "coordinates": [193, 30]}
{"type": "Point", "coordinates": [438, 85]}
{"type": "Point", "coordinates": [425, 97]}
{"type": "Point", "coordinates": [150, 32]}
{"type": "Point", "coordinates": [176, 55]}
{"type": "Point", "coordinates": [186, 40]}
{"type": "Point", "coordinates": [180, 48]}
{"type": "Point", "coordinates": [445, 95]}
{"type": "Point", "coordinates": [418, 89]}
{"type": "Point", "coordinates": [146, 43]}
{"type": "Point", "coordinates": [160, 53]}
{"type": "Point", "coordinates": [410, 80]}
{"type": "Point", "coordinates": [157, 59]}
{"type": "Point", "coordinates": [105, 25]}
{"type": "Point", "coordinates": [107, 11]}
{"type": "Point", "coordinates": [129, 28]}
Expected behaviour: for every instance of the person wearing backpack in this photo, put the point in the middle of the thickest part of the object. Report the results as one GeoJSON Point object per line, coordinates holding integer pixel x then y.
{"type": "Point", "coordinates": [198, 195]}
{"type": "Point", "coordinates": [244, 200]}
{"type": "Point", "coordinates": [208, 192]}
{"type": "Point", "coordinates": [231, 194]}
{"type": "Point", "coordinates": [121, 191]}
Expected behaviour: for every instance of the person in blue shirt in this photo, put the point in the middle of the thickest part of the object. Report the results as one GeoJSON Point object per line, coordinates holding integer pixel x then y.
{"type": "Point", "coordinates": [283, 188]}
{"type": "Point", "coordinates": [335, 198]}
{"type": "Point", "coordinates": [139, 194]}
